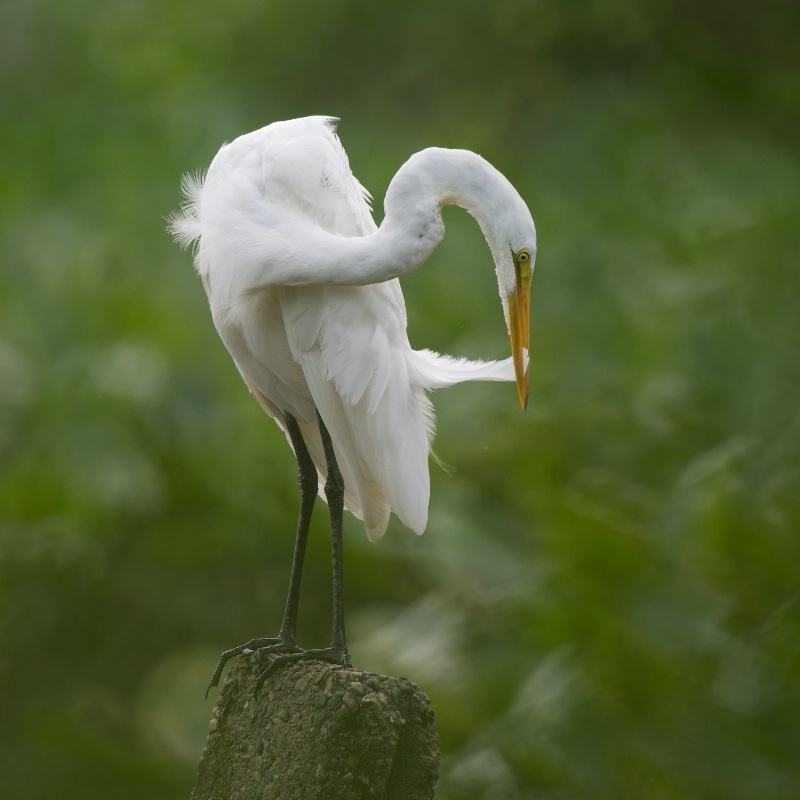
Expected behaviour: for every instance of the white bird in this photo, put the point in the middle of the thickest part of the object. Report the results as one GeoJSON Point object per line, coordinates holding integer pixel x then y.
{"type": "Point", "coordinates": [303, 291]}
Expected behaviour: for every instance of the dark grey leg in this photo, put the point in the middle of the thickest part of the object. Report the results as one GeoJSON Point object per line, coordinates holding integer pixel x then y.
{"type": "Point", "coordinates": [334, 494]}
{"type": "Point", "coordinates": [307, 478]}
{"type": "Point", "coordinates": [286, 639]}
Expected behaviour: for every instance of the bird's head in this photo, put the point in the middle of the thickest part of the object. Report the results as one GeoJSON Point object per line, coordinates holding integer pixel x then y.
{"type": "Point", "coordinates": [507, 224]}
{"type": "Point", "coordinates": [512, 238]}
{"type": "Point", "coordinates": [517, 305]}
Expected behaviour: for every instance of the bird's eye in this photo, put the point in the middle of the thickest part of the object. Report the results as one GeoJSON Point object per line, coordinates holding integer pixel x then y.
{"type": "Point", "coordinates": [524, 256]}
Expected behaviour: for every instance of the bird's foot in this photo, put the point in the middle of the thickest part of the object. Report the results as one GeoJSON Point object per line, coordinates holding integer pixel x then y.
{"type": "Point", "coordinates": [335, 654]}
{"type": "Point", "coordinates": [281, 645]}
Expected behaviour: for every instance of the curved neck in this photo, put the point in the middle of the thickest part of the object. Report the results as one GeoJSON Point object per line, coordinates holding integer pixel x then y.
{"type": "Point", "coordinates": [412, 226]}
{"type": "Point", "coordinates": [433, 178]}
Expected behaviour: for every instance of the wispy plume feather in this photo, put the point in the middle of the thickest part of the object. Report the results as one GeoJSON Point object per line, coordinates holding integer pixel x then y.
{"type": "Point", "coordinates": [184, 224]}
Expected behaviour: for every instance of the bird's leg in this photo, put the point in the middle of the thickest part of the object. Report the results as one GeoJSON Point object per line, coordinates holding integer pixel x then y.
{"type": "Point", "coordinates": [334, 494]}
{"type": "Point", "coordinates": [286, 639]}
{"type": "Point", "coordinates": [307, 478]}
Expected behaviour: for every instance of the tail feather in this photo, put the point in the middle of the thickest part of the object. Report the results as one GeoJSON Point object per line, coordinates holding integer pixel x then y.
{"type": "Point", "coordinates": [436, 371]}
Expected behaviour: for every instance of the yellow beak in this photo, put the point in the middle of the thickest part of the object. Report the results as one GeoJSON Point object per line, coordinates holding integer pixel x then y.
{"type": "Point", "coordinates": [520, 327]}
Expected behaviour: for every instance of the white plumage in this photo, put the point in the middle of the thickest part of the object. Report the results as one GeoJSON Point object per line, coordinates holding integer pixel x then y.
{"type": "Point", "coordinates": [303, 290]}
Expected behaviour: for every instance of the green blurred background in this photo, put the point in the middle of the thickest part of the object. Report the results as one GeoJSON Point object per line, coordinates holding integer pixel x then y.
{"type": "Point", "coordinates": [607, 601]}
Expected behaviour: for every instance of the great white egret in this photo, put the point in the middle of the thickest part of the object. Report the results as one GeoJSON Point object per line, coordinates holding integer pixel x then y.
{"type": "Point", "coordinates": [304, 293]}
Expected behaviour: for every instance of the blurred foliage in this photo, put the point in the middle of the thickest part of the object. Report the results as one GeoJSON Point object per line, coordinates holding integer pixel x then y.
{"type": "Point", "coordinates": [606, 602]}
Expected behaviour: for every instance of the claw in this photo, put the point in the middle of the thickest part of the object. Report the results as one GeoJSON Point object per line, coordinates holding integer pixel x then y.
{"type": "Point", "coordinates": [286, 652]}
{"type": "Point", "coordinates": [333, 655]}
{"type": "Point", "coordinates": [269, 645]}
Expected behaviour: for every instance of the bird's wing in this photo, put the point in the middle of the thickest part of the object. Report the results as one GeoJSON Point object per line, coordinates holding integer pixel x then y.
{"type": "Point", "coordinates": [349, 340]}
{"type": "Point", "coordinates": [352, 346]}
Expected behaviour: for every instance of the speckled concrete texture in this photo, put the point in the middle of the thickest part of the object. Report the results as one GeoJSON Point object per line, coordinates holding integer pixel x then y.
{"type": "Point", "coordinates": [318, 732]}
